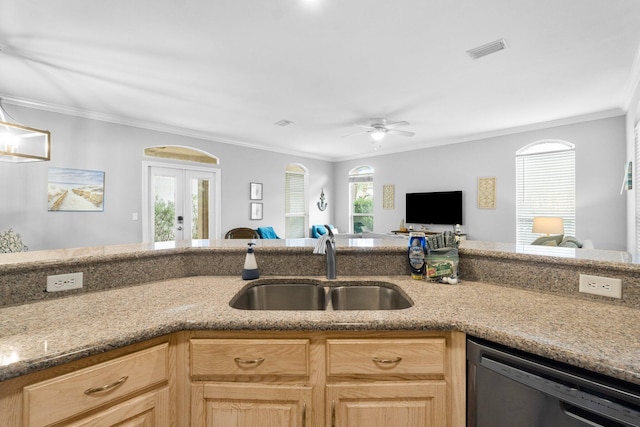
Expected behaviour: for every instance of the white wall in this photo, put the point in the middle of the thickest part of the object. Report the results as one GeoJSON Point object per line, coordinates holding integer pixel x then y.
{"type": "Point", "coordinates": [117, 150]}
{"type": "Point", "coordinates": [600, 158]}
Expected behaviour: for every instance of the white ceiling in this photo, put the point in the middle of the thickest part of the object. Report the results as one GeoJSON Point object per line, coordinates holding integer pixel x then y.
{"type": "Point", "coordinates": [227, 70]}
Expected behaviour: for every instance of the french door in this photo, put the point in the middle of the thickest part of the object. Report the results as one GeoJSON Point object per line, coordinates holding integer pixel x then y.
{"type": "Point", "coordinates": [180, 203]}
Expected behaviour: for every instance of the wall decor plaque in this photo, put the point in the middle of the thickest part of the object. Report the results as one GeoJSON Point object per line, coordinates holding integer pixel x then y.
{"type": "Point", "coordinates": [487, 193]}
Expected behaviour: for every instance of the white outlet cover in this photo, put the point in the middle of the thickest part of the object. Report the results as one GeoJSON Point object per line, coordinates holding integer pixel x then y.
{"type": "Point", "coordinates": [598, 285]}
{"type": "Point", "coordinates": [64, 282]}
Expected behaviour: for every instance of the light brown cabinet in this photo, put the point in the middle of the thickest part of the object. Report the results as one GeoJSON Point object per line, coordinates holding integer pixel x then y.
{"type": "Point", "coordinates": [127, 387]}
{"type": "Point", "coordinates": [228, 401]}
{"type": "Point", "coordinates": [250, 405]}
{"type": "Point", "coordinates": [364, 388]}
{"type": "Point", "coordinates": [148, 410]}
{"type": "Point", "coordinates": [406, 404]}
{"type": "Point", "coordinates": [252, 379]}
{"type": "Point", "coordinates": [327, 379]}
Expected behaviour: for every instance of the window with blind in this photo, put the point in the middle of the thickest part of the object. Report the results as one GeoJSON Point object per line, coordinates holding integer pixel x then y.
{"type": "Point", "coordinates": [295, 211]}
{"type": "Point", "coordinates": [545, 186]}
{"type": "Point", "coordinates": [635, 185]}
{"type": "Point", "coordinates": [361, 199]}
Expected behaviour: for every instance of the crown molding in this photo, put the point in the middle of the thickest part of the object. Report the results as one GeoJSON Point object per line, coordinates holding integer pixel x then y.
{"type": "Point", "coordinates": [148, 125]}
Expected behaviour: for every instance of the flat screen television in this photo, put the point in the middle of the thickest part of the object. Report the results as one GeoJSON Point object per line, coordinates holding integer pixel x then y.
{"type": "Point", "coordinates": [442, 207]}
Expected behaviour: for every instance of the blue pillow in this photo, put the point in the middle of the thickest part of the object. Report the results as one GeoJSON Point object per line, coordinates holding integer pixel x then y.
{"type": "Point", "coordinates": [319, 230]}
{"type": "Point", "coordinates": [267, 233]}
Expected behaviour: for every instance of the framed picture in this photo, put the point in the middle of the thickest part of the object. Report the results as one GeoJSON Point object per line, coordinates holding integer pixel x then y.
{"type": "Point", "coordinates": [487, 193]}
{"type": "Point", "coordinates": [256, 211]}
{"type": "Point", "coordinates": [75, 190]}
{"type": "Point", "coordinates": [255, 191]}
{"type": "Point", "coordinates": [388, 196]}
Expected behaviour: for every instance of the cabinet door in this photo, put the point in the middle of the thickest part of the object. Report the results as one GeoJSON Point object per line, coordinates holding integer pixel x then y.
{"type": "Point", "coordinates": [148, 410]}
{"type": "Point", "coordinates": [387, 404]}
{"type": "Point", "coordinates": [250, 405]}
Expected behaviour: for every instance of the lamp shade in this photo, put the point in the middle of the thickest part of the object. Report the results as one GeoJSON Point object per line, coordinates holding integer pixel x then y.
{"type": "Point", "coordinates": [548, 225]}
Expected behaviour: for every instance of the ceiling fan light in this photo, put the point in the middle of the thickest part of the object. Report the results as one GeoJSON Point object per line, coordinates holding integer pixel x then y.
{"type": "Point", "coordinates": [378, 134]}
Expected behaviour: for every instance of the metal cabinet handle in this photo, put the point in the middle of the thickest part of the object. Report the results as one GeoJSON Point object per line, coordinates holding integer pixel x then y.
{"type": "Point", "coordinates": [386, 361]}
{"type": "Point", "coordinates": [106, 387]}
{"type": "Point", "coordinates": [304, 414]}
{"type": "Point", "coordinates": [254, 362]}
{"type": "Point", "coordinates": [333, 413]}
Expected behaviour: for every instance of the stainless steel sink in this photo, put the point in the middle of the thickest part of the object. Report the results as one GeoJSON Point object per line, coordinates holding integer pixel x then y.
{"type": "Point", "coordinates": [367, 297]}
{"type": "Point", "coordinates": [344, 295]}
{"type": "Point", "coordinates": [281, 296]}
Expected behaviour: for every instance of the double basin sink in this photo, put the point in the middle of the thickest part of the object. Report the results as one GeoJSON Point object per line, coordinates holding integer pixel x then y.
{"type": "Point", "coordinates": [317, 295]}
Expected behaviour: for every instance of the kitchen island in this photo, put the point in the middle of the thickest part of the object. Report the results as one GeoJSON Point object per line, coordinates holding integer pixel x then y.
{"type": "Point", "coordinates": [43, 335]}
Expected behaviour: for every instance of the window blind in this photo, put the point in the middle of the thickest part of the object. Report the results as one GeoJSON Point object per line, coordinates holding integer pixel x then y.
{"type": "Point", "coordinates": [545, 186]}
{"type": "Point", "coordinates": [635, 185]}
{"type": "Point", "coordinates": [294, 205]}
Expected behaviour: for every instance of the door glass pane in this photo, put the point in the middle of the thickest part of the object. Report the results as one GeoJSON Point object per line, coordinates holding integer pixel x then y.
{"type": "Point", "coordinates": [200, 208]}
{"type": "Point", "coordinates": [362, 205]}
{"type": "Point", "coordinates": [164, 191]}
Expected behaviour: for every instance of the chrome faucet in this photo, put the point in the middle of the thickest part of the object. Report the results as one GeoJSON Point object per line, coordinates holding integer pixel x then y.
{"type": "Point", "coordinates": [331, 254]}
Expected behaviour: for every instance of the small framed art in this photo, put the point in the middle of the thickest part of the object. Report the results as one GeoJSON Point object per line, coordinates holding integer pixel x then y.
{"type": "Point", "coordinates": [255, 191]}
{"type": "Point", "coordinates": [256, 211]}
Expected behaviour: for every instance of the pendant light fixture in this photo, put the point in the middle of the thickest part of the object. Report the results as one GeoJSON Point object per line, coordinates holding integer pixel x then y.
{"type": "Point", "coordinates": [21, 144]}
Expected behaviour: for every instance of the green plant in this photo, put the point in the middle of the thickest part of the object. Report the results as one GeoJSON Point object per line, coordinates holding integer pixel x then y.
{"type": "Point", "coordinates": [363, 204]}
{"type": "Point", "coordinates": [165, 212]}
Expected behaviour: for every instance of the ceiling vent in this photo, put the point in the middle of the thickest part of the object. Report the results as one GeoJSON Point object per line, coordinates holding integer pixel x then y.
{"type": "Point", "coordinates": [283, 123]}
{"type": "Point", "coordinates": [487, 49]}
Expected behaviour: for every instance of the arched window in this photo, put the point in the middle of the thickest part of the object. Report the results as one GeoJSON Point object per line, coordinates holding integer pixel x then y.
{"type": "Point", "coordinates": [361, 199]}
{"type": "Point", "coordinates": [545, 186]}
{"type": "Point", "coordinates": [178, 152]}
{"type": "Point", "coordinates": [295, 210]}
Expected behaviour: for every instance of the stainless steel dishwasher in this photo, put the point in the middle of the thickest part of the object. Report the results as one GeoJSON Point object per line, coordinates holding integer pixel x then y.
{"type": "Point", "coordinates": [508, 388]}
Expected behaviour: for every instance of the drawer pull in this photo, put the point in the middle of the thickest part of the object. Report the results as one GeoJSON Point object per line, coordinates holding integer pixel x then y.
{"type": "Point", "coordinates": [333, 413]}
{"type": "Point", "coordinates": [304, 414]}
{"type": "Point", "coordinates": [387, 361]}
{"type": "Point", "coordinates": [106, 387]}
{"type": "Point", "coordinates": [253, 363]}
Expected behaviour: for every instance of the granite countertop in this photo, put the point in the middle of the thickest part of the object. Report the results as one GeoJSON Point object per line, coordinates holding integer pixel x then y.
{"type": "Point", "coordinates": [588, 334]}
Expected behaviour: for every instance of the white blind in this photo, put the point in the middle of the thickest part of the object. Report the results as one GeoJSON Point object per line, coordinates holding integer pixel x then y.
{"type": "Point", "coordinates": [635, 186]}
{"type": "Point", "coordinates": [545, 186]}
{"type": "Point", "coordinates": [294, 205]}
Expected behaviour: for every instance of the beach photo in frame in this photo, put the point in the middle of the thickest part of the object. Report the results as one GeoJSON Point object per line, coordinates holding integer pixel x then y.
{"type": "Point", "coordinates": [75, 190]}
{"type": "Point", "coordinates": [255, 191]}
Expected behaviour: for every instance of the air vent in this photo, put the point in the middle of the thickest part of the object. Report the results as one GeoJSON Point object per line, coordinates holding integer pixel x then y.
{"type": "Point", "coordinates": [487, 49]}
{"type": "Point", "coordinates": [283, 123]}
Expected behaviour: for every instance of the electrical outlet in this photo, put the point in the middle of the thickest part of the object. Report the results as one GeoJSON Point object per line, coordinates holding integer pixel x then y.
{"type": "Point", "coordinates": [597, 285]}
{"type": "Point", "coordinates": [64, 282]}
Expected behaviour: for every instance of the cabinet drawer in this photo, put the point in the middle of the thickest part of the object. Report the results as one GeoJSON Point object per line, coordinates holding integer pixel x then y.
{"type": "Point", "coordinates": [215, 357]}
{"type": "Point", "coordinates": [386, 356]}
{"type": "Point", "coordinates": [62, 397]}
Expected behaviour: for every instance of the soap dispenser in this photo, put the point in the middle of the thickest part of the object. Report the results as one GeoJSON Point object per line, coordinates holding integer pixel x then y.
{"type": "Point", "coordinates": [250, 270]}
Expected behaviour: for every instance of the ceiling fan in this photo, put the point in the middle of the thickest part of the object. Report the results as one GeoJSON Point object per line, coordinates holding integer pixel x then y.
{"type": "Point", "coordinates": [378, 127]}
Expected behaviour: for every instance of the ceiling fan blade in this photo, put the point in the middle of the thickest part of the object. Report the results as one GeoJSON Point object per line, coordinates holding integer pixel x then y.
{"type": "Point", "coordinates": [366, 126]}
{"type": "Point", "coordinates": [354, 134]}
{"type": "Point", "coordinates": [397, 124]}
{"type": "Point", "coordinates": [401, 132]}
